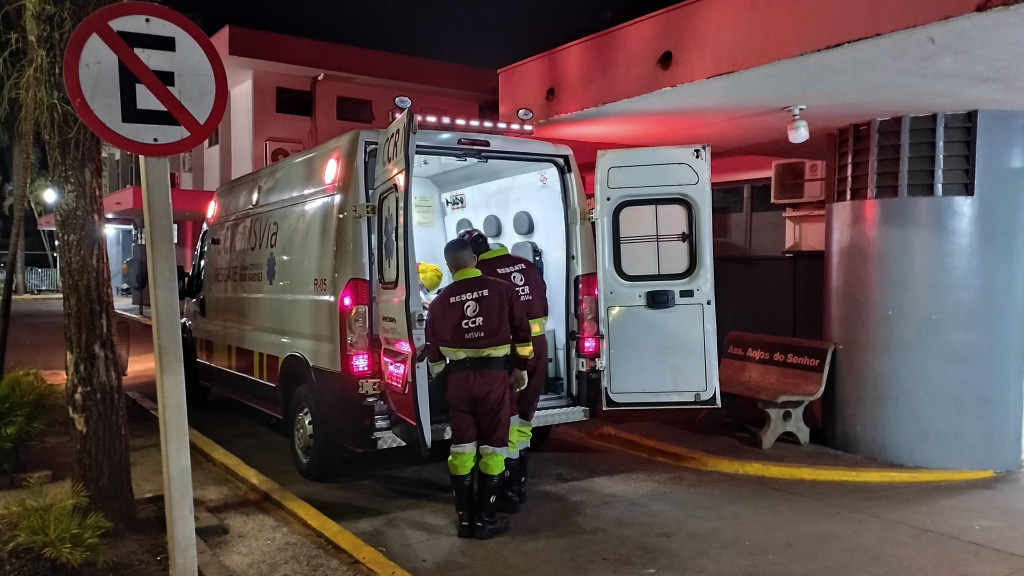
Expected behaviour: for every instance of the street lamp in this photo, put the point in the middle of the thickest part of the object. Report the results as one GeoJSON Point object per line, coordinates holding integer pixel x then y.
{"type": "Point", "coordinates": [49, 195]}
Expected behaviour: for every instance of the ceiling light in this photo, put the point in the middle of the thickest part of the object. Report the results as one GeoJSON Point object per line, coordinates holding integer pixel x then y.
{"type": "Point", "coordinates": [797, 130]}
{"type": "Point", "coordinates": [403, 102]}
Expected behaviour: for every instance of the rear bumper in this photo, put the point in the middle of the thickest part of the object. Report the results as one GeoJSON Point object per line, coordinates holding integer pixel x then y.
{"type": "Point", "coordinates": [441, 432]}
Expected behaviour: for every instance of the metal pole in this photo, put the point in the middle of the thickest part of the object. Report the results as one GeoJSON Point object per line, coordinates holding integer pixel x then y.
{"type": "Point", "coordinates": [170, 372]}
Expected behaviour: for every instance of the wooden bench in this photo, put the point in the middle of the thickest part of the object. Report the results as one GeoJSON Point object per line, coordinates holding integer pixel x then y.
{"type": "Point", "coordinates": [782, 374]}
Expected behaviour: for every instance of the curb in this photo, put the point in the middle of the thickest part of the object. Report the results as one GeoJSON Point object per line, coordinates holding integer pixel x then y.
{"type": "Point", "coordinates": [680, 456]}
{"type": "Point", "coordinates": [57, 296]}
{"type": "Point", "coordinates": [136, 317]}
{"type": "Point", "coordinates": [301, 511]}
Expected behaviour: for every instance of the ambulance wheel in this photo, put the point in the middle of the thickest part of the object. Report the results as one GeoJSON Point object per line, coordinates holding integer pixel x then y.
{"type": "Point", "coordinates": [310, 454]}
{"type": "Point", "coordinates": [195, 393]}
{"type": "Point", "coordinates": [540, 437]}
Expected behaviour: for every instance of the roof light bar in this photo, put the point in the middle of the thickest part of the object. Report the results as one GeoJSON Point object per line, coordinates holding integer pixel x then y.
{"type": "Point", "coordinates": [474, 125]}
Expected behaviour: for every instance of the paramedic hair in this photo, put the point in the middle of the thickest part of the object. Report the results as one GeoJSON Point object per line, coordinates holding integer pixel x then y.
{"type": "Point", "coordinates": [459, 255]}
{"type": "Point", "coordinates": [477, 240]}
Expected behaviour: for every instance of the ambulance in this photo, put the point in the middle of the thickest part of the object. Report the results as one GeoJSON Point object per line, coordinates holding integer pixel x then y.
{"type": "Point", "coordinates": [304, 299]}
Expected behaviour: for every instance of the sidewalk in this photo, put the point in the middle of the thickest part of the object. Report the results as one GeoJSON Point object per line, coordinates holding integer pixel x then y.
{"type": "Point", "coordinates": [735, 452]}
{"type": "Point", "coordinates": [244, 533]}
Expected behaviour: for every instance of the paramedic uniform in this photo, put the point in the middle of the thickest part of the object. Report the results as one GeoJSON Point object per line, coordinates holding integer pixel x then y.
{"type": "Point", "coordinates": [531, 291]}
{"type": "Point", "coordinates": [478, 330]}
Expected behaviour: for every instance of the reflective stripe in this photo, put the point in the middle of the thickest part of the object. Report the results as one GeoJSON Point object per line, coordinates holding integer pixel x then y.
{"type": "Point", "coordinates": [537, 326]}
{"type": "Point", "coordinates": [492, 463]}
{"type": "Point", "coordinates": [524, 350]}
{"type": "Point", "coordinates": [437, 367]}
{"type": "Point", "coordinates": [461, 458]}
{"type": "Point", "coordinates": [524, 433]}
{"type": "Point", "coordinates": [513, 437]}
{"type": "Point", "coordinates": [492, 352]}
{"type": "Point", "coordinates": [466, 273]}
{"type": "Point", "coordinates": [460, 463]}
{"type": "Point", "coordinates": [493, 253]}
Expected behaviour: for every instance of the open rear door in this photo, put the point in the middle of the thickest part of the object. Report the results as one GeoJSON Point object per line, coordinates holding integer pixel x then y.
{"type": "Point", "coordinates": [656, 278]}
{"type": "Point", "coordinates": [399, 312]}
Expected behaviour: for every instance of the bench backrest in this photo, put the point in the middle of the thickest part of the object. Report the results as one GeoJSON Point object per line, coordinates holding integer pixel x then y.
{"type": "Point", "coordinates": [774, 368]}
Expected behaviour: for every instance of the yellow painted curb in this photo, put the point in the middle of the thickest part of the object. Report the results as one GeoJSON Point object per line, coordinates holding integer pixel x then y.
{"type": "Point", "coordinates": [298, 508]}
{"type": "Point", "coordinates": [673, 454]}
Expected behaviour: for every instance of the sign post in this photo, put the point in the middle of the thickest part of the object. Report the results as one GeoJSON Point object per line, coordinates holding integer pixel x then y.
{"type": "Point", "coordinates": [148, 81]}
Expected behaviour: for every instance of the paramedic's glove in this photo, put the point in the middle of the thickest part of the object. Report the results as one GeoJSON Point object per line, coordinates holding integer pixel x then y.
{"type": "Point", "coordinates": [519, 381]}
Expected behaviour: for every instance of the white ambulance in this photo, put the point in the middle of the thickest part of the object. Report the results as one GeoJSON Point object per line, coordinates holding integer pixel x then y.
{"type": "Point", "coordinates": [304, 299]}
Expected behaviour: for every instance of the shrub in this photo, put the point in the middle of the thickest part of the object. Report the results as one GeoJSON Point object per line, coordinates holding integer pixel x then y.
{"type": "Point", "coordinates": [27, 403]}
{"type": "Point", "coordinates": [56, 526]}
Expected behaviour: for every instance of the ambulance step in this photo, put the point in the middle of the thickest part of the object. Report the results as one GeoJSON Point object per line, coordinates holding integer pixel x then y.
{"type": "Point", "coordinates": [560, 416]}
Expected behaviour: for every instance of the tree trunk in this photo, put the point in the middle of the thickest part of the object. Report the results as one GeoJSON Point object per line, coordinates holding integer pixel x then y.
{"type": "Point", "coordinates": [94, 393]}
{"type": "Point", "coordinates": [20, 193]}
{"type": "Point", "coordinates": [19, 286]}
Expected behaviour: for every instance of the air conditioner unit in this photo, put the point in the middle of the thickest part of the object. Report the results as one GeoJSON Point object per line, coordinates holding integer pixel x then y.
{"type": "Point", "coordinates": [798, 181]}
{"type": "Point", "coordinates": [277, 150]}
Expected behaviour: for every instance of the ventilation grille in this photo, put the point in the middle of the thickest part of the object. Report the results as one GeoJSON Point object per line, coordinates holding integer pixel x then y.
{"type": "Point", "coordinates": [910, 156]}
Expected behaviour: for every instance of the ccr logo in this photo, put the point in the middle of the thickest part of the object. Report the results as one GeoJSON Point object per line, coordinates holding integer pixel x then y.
{"type": "Point", "coordinates": [518, 278]}
{"type": "Point", "coordinates": [471, 309]}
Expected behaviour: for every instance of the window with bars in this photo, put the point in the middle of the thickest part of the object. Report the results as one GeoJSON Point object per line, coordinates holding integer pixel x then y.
{"type": "Point", "coordinates": [653, 240]}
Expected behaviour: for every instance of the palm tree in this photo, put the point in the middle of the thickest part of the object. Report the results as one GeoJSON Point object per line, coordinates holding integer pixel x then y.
{"type": "Point", "coordinates": [37, 32]}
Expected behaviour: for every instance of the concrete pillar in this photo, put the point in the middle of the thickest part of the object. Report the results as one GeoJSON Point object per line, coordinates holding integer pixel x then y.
{"type": "Point", "coordinates": [925, 301]}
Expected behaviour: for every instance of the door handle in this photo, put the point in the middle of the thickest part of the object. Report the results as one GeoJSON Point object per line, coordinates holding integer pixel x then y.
{"type": "Point", "coordinates": [661, 299]}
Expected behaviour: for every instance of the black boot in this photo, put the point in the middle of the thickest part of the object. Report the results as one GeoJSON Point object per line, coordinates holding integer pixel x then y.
{"type": "Point", "coordinates": [462, 487]}
{"type": "Point", "coordinates": [488, 523]}
{"type": "Point", "coordinates": [520, 483]}
{"type": "Point", "coordinates": [508, 498]}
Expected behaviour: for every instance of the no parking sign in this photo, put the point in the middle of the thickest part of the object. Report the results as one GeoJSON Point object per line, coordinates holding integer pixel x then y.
{"type": "Point", "coordinates": [145, 79]}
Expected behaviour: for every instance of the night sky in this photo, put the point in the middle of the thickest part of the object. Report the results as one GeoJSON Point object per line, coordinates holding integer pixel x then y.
{"type": "Point", "coordinates": [485, 33]}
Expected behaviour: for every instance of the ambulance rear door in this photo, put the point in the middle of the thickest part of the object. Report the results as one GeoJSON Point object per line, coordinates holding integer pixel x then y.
{"type": "Point", "coordinates": [400, 318]}
{"type": "Point", "coordinates": [655, 278]}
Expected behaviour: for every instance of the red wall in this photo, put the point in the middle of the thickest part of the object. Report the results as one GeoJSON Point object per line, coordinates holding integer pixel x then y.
{"type": "Point", "coordinates": [707, 38]}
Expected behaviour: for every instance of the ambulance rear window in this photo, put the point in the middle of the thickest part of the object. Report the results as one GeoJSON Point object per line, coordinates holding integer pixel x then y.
{"type": "Point", "coordinates": [653, 240]}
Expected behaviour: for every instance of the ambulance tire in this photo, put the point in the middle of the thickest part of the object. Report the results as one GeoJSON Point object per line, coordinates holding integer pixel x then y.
{"type": "Point", "coordinates": [540, 438]}
{"type": "Point", "coordinates": [311, 455]}
{"type": "Point", "coordinates": [195, 392]}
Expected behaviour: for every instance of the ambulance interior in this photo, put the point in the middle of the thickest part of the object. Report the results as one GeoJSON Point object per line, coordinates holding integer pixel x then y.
{"type": "Point", "coordinates": [518, 204]}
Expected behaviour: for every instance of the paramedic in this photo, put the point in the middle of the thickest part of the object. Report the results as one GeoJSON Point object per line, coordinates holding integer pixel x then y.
{"type": "Point", "coordinates": [430, 278]}
{"type": "Point", "coordinates": [477, 329]}
{"type": "Point", "coordinates": [532, 293]}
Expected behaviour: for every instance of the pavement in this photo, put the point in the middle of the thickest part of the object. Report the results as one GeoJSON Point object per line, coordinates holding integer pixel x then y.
{"type": "Point", "coordinates": [601, 509]}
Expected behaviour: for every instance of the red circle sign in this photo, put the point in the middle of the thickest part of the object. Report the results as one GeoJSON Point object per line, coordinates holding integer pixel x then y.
{"type": "Point", "coordinates": [145, 79]}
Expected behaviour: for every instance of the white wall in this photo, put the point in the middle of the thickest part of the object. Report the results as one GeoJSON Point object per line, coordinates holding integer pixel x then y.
{"type": "Point", "coordinates": [538, 193]}
{"type": "Point", "coordinates": [430, 240]}
{"type": "Point", "coordinates": [242, 128]}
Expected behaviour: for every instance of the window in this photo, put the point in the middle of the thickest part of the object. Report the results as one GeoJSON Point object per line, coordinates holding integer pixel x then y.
{"type": "Point", "coordinates": [353, 110]}
{"type": "Point", "coordinates": [294, 102]}
{"type": "Point", "coordinates": [214, 138]}
{"type": "Point", "coordinates": [653, 240]}
{"type": "Point", "coordinates": [761, 199]}
{"type": "Point", "coordinates": [727, 200]}
{"type": "Point", "coordinates": [389, 244]}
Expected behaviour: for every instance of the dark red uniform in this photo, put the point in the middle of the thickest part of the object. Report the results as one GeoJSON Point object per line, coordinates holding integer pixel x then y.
{"type": "Point", "coordinates": [531, 291]}
{"type": "Point", "coordinates": [475, 327]}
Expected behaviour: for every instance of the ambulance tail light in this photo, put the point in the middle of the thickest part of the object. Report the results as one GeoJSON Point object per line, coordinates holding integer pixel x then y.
{"type": "Point", "coordinates": [354, 322]}
{"type": "Point", "coordinates": [588, 340]}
